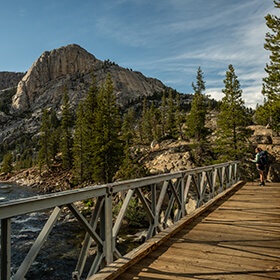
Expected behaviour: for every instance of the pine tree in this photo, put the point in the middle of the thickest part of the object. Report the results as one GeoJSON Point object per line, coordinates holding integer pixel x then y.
{"type": "Point", "coordinates": [145, 124]}
{"type": "Point", "coordinates": [54, 120]}
{"type": "Point", "coordinates": [45, 140]}
{"type": "Point", "coordinates": [79, 147]}
{"type": "Point", "coordinates": [155, 119]}
{"type": "Point", "coordinates": [179, 117]}
{"type": "Point", "coordinates": [66, 126]}
{"type": "Point", "coordinates": [196, 119]}
{"type": "Point", "coordinates": [107, 147]}
{"type": "Point", "coordinates": [131, 168]}
{"type": "Point", "coordinates": [233, 119]}
{"type": "Point", "coordinates": [7, 164]}
{"type": "Point", "coordinates": [89, 120]}
{"type": "Point", "coordinates": [171, 122]}
{"type": "Point", "coordinates": [163, 114]}
{"type": "Point", "coordinates": [55, 131]}
{"type": "Point", "coordinates": [270, 111]}
{"type": "Point", "coordinates": [271, 86]}
{"type": "Point", "coordinates": [128, 127]}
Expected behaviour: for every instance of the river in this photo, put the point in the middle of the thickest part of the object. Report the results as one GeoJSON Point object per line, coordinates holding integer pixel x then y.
{"type": "Point", "coordinates": [57, 259]}
{"type": "Point", "coordinates": [13, 191]}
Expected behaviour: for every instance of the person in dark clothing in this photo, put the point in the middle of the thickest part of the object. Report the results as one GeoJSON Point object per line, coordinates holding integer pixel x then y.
{"type": "Point", "coordinates": [259, 165]}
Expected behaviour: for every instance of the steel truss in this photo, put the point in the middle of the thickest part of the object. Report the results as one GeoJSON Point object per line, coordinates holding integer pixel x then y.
{"type": "Point", "coordinates": [202, 184]}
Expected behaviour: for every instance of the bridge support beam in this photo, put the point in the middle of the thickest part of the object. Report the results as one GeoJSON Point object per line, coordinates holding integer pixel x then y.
{"type": "Point", "coordinates": [5, 249]}
{"type": "Point", "coordinates": [108, 230]}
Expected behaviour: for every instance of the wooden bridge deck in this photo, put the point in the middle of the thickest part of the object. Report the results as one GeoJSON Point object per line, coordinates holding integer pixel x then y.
{"type": "Point", "coordinates": [238, 238]}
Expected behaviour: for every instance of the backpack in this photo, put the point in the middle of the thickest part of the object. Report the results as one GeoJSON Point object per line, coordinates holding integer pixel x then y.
{"type": "Point", "coordinates": [264, 160]}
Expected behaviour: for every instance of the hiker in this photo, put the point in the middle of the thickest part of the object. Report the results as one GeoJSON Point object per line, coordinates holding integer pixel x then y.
{"type": "Point", "coordinates": [259, 165]}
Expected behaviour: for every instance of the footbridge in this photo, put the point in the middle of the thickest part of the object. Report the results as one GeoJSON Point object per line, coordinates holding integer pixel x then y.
{"type": "Point", "coordinates": [231, 232]}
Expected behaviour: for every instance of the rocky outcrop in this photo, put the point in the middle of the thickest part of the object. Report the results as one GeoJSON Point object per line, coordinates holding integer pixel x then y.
{"type": "Point", "coordinates": [169, 156]}
{"type": "Point", "coordinates": [261, 134]}
{"type": "Point", "coordinates": [9, 79]}
{"type": "Point", "coordinates": [72, 66]}
{"type": "Point", "coordinates": [266, 139]}
{"type": "Point", "coordinates": [44, 82]}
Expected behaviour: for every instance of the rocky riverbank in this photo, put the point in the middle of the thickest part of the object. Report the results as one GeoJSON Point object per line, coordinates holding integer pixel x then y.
{"type": "Point", "coordinates": [46, 181]}
{"type": "Point", "coordinates": [164, 157]}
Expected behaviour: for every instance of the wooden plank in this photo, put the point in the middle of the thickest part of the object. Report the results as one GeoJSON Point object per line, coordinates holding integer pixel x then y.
{"type": "Point", "coordinates": [184, 265]}
{"type": "Point", "coordinates": [194, 269]}
{"type": "Point", "coordinates": [238, 238]}
{"type": "Point", "coordinates": [232, 233]}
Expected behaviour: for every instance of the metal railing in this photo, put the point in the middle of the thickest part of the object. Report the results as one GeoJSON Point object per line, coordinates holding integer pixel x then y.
{"type": "Point", "coordinates": [164, 196]}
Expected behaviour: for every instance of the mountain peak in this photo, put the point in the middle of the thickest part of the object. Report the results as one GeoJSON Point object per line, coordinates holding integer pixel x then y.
{"type": "Point", "coordinates": [71, 66]}
{"type": "Point", "coordinates": [51, 66]}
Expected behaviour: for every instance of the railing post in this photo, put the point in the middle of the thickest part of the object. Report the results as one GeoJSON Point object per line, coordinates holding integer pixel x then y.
{"type": "Point", "coordinates": [153, 223]}
{"type": "Point", "coordinates": [108, 227]}
{"type": "Point", "coordinates": [198, 187]}
{"type": "Point", "coordinates": [6, 249]}
{"type": "Point", "coordinates": [214, 180]}
{"type": "Point", "coordinates": [182, 197]}
{"type": "Point", "coordinates": [230, 176]}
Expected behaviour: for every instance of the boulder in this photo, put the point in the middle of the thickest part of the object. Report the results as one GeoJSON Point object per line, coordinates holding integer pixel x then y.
{"type": "Point", "coordinates": [155, 145]}
{"type": "Point", "coordinates": [261, 139]}
{"type": "Point", "coordinates": [261, 130]}
{"type": "Point", "coordinates": [276, 140]}
{"type": "Point", "coordinates": [273, 173]}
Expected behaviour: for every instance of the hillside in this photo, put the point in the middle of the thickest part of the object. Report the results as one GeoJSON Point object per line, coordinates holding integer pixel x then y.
{"type": "Point", "coordinates": [9, 79]}
{"type": "Point", "coordinates": [43, 85]}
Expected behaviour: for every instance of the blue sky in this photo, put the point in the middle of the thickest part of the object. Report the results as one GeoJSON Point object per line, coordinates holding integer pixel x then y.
{"type": "Point", "coordinates": [163, 39]}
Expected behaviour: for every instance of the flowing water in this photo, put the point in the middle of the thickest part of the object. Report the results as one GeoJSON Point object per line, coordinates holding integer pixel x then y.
{"type": "Point", "coordinates": [13, 191]}
{"type": "Point", "coordinates": [58, 257]}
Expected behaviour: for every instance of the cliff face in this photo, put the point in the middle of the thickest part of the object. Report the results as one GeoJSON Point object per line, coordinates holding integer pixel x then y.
{"type": "Point", "coordinates": [44, 82]}
{"type": "Point", "coordinates": [71, 66]}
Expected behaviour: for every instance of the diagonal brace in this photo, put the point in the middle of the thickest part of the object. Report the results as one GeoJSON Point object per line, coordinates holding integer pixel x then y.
{"type": "Point", "coordinates": [39, 242]}
{"type": "Point", "coordinates": [85, 224]}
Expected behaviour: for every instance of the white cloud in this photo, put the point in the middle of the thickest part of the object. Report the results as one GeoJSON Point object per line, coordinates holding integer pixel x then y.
{"type": "Point", "coordinates": [215, 93]}
{"type": "Point", "coordinates": [251, 95]}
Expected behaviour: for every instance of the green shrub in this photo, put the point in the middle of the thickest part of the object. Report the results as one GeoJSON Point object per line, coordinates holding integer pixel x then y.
{"type": "Point", "coordinates": [7, 164]}
{"type": "Point", "coordinates": [135, 215]}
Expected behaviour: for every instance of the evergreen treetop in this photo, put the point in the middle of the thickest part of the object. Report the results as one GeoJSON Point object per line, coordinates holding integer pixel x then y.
{"type": "Point", "coordinates": [271, 85]}
{"type": "Point", "coordinates": [196, 119]}
{"type": "Point", "coordinates": [79, 147]}
{"type": "Point", "coordinates": [233, 118]}
{"type": "Point", "coordinates": [107, 148]}
{"type": "Point", "coordinates": [269, 113]}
